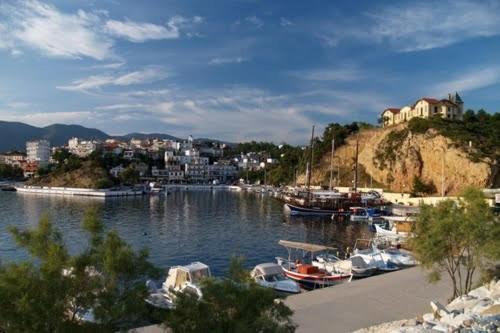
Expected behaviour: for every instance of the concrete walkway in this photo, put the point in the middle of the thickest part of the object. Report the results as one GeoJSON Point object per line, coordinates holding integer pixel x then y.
{"type": "Point", "coordinates": [363, 303]}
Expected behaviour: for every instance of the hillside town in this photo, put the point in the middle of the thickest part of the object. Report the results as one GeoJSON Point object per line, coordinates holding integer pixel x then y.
{"type": "Point", "coordinates": [168, 161]}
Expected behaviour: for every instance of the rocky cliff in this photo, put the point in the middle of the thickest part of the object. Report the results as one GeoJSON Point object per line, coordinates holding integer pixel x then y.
{"type": "Point", "coordinates": [391, 157]}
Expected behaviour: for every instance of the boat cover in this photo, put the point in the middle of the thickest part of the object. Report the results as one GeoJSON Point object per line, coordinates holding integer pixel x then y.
{"type": "Point", "coordinates": [305, 246]}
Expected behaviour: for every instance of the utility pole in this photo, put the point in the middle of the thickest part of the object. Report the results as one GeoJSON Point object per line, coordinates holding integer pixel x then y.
{"type": "Point", "coordinates": [309, 175]}
{"type": "Point", "coordinates": [442, 175]}
{"type": "Point", "coordinates": [331, 163]}
{"type": "Point", "coordinates": [295, 177]}
{"type": "Point", "coordinates": [356, 165]}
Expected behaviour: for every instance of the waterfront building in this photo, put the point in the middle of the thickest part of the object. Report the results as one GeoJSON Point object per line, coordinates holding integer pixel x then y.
{"type": "Point", "coordinates": [116, 171]}
{"type": "Point", "coordinates": [450, 108]}
{"type": "Point", "coordinates": [13, 158]}
{"type": "Point", "coordinates": [82, 148]}
{"type": "Point", "coordinates": [38, 151]}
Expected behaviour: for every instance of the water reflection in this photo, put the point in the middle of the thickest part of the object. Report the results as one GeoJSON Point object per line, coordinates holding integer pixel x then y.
{"type": "Point", "coordinates": [184, 226]}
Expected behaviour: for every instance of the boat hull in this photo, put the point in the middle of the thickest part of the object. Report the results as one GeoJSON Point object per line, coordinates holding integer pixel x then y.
{"type": "Point", "coordinates": [316, 281]}
{"type": "Point", "coordinates": [297, 210]}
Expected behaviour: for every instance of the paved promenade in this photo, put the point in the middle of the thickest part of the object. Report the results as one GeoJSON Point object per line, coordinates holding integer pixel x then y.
{"type": "Point", "coordinates": [363, 303]}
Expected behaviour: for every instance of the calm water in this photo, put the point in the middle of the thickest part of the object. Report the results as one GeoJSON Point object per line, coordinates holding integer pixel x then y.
{"type": "Point", "coordinates": [182, 227]}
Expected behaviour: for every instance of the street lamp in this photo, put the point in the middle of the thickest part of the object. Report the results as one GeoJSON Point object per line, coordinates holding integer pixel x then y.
{"type": "Point", "coordinates": [338, 169]}
{"type": "Point", "coordinates": [331, 163]}
{"type": "Point", "coordinates": [442, 169]}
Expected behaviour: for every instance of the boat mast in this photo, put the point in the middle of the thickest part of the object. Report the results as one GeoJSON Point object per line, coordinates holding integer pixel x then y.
{"type": "Point", "coordinates": [356, 165]}
{"type": "Point", "coordinates": [309, 175]}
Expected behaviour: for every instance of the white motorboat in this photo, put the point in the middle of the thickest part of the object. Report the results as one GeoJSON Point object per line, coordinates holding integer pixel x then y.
{"type": "Point", "coordinates": [179, 279]}
{"type": "Point", "coordinates": [355, 265]}
{"type": "Point", "coordinates": [271, 275]}
{"type": "Point", "coordinates": [398, 257]}
{"type": "Point", "coordinates": [372, 256]}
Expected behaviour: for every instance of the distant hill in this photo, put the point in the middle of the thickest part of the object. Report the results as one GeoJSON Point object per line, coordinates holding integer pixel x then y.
{"type": "Point", "coordinates": [143, 136]}
{"type": "Point", "coordinates": [13, 135]}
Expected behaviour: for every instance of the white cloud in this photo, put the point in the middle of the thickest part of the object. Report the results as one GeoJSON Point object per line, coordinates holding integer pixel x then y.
{"type": "Point", "coordinates": [140, 32]}
{"type": "Point", "coordinates": [93, 82]}
{"type": "Point", "coordinates": [111, 65]}
{"type": "Point", "coordinates": [343, 73]}
{"type": "Point", "coordinates": [44, 27]}
{"type": "Point", "coordinates": [48, 118]}
{"type": "Point", "coordinates": [257, 22]}
{"type": "Point", "coordinates": [285, 22]}
{"type": "Point", "coordinates": [221, 61]}
{"type": "Point", "coordinates": [55, 33]}
{"type": "Point", "coordinates": [472, 80]}
{"type": "Point", "coordinates": [113, 107]}
{"type": "Point", "coordinates": [421, 25]}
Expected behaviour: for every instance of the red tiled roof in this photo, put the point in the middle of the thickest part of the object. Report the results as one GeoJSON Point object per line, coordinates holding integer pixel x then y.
{"type": "Point", "coordinates": [393, 110]}
{"type": "Point", "coordinates": [429, 100]}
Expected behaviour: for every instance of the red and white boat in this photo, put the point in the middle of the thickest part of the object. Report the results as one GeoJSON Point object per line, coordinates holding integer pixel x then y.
{"type": "Point", "coordinates": [308, 275]}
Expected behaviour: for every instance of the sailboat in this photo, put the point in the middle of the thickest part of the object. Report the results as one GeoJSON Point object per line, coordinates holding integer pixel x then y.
{"type": "Point", "coordinates": [326, 203]}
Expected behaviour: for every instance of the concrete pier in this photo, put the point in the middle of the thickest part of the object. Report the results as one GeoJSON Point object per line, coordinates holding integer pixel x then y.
{"type": "Point", "coordinates": [84, 192]}
{"type": "Point", "coordinates": [362, 303]}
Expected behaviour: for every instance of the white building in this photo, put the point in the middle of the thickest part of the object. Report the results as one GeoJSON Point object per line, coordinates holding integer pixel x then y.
{"type": "Point", "coordinates": [38, 151]}
{"type": "Point", "coordinates": [116, 171]}
{"type": "Point", "coordinates": [81, 148]}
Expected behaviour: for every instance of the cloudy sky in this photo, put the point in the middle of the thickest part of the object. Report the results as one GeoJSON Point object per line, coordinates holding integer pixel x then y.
{"type": "Point", "coordinates": [240, 69]}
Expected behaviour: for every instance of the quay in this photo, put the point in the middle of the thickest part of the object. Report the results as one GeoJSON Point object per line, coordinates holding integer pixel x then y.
{"type": "Point", "coordinates": [84, 192]}
{"type": "Point", "coordinates": [363, 303]}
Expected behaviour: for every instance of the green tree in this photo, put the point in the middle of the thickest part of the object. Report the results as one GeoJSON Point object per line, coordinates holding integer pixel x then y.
{"type": "Point", "coordinates": [458, 238]}
{"type": "Point", "coordinates": [419, 187]}
{"type": "Point", "coordinates": [233, 304]}
{"type": "Point", "coordinates": [130, 176]}
{"type": "Point", "coordinates": [51, 292]}
{"type": "Point", "coordinates": [10, 172]}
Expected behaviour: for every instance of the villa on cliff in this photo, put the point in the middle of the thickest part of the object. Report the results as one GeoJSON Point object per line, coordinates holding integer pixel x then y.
{"type": "Point", "coordinates": [425, 107]}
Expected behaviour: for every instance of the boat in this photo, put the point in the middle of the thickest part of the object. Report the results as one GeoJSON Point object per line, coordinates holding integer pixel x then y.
{"type": "Point", "coordinates": [271, 275]}
{"type": "Point", "coordinates": [306, 274]}
{"type": "Point", "coordinates": [372, 256]}
{"type": "Point", "coordinates": [398, 257]}
{"type": "Point", "coordinates": [355, 265]}
{"type": "Point", "coordinates": [156, 189]}
{"type": "Point", "coordinates": [359, 214]}
{"type": "Point", "coordinates": [179, 279]}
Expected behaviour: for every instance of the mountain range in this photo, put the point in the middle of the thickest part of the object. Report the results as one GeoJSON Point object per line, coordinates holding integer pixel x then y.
{"type": "Point", "coordinates": [13, 135]}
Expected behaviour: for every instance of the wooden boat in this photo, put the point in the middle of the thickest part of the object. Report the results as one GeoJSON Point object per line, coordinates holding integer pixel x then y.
{"type": "Point", "coordinates": [306, 274]}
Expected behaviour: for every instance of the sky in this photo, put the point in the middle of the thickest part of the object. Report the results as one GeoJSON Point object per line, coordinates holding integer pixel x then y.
{"type": "Point", "coordinates": [240, 70]}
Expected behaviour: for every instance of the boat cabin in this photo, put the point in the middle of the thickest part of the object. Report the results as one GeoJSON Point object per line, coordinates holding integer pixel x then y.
{"type": "Point", "coordinates": [180, 276]}
{"type": "Point", "coordinates": [269, 272]}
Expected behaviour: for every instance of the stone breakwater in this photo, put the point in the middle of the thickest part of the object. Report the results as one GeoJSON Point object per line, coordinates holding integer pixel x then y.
{"type": "Point", "coordinates": [478, 311]}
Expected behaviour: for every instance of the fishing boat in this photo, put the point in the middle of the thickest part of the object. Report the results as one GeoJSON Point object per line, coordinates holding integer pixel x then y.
{"type": "Point", "coordinates": [271, 275]}
{"type": "Point", "coordinates": [179, 279]}
{"type": "Point", "coordinates": [306, 274]}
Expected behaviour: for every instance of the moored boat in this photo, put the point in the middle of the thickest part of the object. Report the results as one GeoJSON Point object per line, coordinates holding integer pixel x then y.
{"type": "Point", "coordinates": [179, 279]}
{"type": "Point", "coordinates": [271, 275]}
{"type": "Point", "coordinates": [306, 274]}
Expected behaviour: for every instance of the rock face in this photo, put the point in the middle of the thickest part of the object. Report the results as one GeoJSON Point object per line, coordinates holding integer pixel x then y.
{"type": "Point", "coordinates": [393, 156]}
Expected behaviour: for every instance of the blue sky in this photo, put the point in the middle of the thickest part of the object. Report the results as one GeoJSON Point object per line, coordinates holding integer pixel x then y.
{"type": "Point", "coordinates": [242, 69]}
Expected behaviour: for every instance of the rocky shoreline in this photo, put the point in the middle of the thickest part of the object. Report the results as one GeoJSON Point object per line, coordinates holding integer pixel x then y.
{"type": "Point", "coordinates": [478, 311]}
